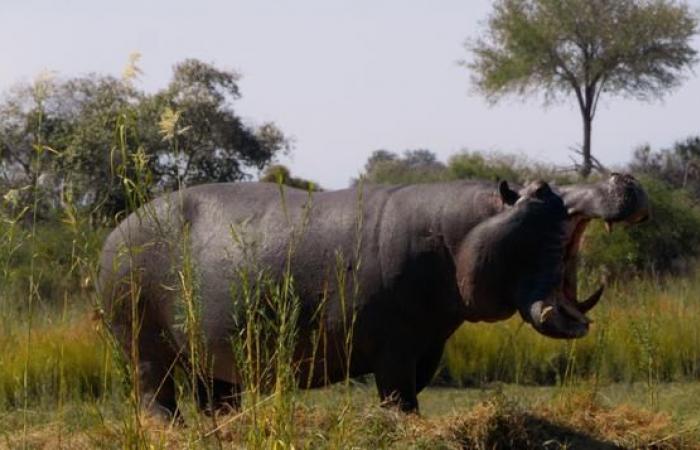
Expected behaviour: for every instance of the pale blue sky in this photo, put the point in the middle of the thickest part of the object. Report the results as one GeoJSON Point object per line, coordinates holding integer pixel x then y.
{"type": "Point", "coordinates": [343, 78]}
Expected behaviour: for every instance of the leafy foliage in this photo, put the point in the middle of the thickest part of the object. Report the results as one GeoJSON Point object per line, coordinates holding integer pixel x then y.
{"type": "Point", "coordinates": [63, 135]}
{"type": "Point", "coordinates": [203, 139]}
{"type": "Point", "coordinates": [422, 166]}
{"type": "Point", "coordinates": [413, 166]}
{"type": "Point", "coordinates": [678, 166]}
{"type": "Point", "coordinates": [278, 173]}
{"type": "Point", "coordinates": [668, 243]}
{"type": "Point", "coordinates": [502, 166]}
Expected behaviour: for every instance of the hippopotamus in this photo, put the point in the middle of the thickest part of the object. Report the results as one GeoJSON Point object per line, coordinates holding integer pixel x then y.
{"type": "Point", "coordinates": [394, 269]}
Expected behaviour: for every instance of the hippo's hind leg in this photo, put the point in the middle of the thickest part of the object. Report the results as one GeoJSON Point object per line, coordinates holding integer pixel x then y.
{"type": "Point", "coordinates": [156, 383]}
{"type": "Point", "coordinates": [218, 396]}
{"type": "Point", "coordinates": [154, 363]}
{"type": "Point", "coordinates": [147, 349]}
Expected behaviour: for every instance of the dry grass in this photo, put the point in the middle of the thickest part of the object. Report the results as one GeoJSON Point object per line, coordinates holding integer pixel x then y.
{"type": "Point", "coordinates": [579, 424]}
{"type": "Point", "coordinates": [323, 419]}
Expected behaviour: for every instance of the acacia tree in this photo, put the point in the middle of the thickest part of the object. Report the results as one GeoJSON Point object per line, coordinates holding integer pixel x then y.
{"type": "Point", "coordinates": [634, 48]}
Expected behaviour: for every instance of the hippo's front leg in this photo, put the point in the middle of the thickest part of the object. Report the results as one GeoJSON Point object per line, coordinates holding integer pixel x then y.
{"type": "Point", "coordinates": [395, 375]}
{"type": "Point", "coordinates": [427, 365]}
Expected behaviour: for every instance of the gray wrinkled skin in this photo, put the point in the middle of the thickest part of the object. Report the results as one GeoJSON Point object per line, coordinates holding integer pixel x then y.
{"type": "Point", "coordinates": [426, 258]}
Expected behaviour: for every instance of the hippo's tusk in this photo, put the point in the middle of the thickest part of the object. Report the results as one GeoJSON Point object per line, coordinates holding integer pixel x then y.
{"type": "Point", "coordinates": [573, 312]}
{"type": "Point", "coordinates": [546, 312]}
{"type": "Point", "coordinates": [609, 226]}
{"type": "Point", "coordinates": [591, 301]}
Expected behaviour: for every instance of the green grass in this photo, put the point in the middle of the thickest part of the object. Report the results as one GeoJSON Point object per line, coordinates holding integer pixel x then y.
{"type": "Point", "coordinates": [643, 331]}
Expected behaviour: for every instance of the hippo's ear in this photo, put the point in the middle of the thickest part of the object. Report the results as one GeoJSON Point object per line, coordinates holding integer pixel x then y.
{"type": "Point", "coordinates": [508, 196]}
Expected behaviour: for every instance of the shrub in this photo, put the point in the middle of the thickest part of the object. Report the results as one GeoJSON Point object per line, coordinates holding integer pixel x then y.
{"type": "Point", "coordinates": [668, 243]}
{"type": "Point", "coordinates": [413, 166]}
{"type": "Point", "coordinates": [57, 266]}
{"type": "Point", "coordinates": [277, 173]}
{"type": "Point", "coordinates": [503, 166]}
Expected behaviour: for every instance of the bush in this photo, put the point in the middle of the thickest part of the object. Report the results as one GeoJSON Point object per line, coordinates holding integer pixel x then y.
{"type": "Point", "coordinates": [422, 166]}
{"type": "Point", "coordinates": [495, 166]}
{"type": "Point", "coordinates": [277, 173]}
{"type": "Point", "coordinates": [679, 166]}
{"type": "Point", "coordinates": [413, 166]}
{"type": "Point", "coordinates": [57, 265]}
{"type": "Point", "coordinates": [668, 243]}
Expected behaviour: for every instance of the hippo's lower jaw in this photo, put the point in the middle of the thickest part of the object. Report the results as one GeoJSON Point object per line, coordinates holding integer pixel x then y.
{"type": "Point", "coordinates": [562, 315]}
{"type": "Point", "coordinates": [552, 320]}
{"type": "Point", "coordinates": [562, 318]}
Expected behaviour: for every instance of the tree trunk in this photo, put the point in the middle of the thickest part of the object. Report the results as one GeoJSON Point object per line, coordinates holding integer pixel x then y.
{"type": "Point", "coordinates": [587, 164]}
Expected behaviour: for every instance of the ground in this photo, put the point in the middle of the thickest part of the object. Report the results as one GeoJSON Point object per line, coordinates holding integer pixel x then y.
{"type": "Point", "coordinates": [500, 416]}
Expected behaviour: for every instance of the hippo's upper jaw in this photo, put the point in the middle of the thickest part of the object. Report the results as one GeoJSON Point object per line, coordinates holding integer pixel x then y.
{"type": "Point", "coordinates": [621, 198]}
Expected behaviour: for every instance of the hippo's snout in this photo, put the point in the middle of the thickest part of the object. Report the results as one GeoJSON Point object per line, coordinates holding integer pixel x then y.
{"type": "Point", "coordinates": [620, 198]}
{"type": "Point", "coordinates": [627, 200]}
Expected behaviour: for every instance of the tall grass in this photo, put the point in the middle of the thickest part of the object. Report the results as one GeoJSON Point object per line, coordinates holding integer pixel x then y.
{"type": "Point", "coordinates": [643, 330]}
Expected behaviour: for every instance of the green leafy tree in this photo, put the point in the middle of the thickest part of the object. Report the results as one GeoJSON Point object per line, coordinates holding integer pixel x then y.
{"type": "Point", "coordinates": [414, 166]}
{"type": "Point", "coordinates": [68, 137]}
{"type": "Point", "coordinates": [200, 138]}
{"type": "Point", "coordinates": [678, 166]}
{"type": "Point", "coordinates": [31, 122]}
{"type": "Point", "coordinates": [94, 107]}
{"type": "Point", "coordinates": [476, 165]}
{"type": "Point", "coordinates": [634, 48]}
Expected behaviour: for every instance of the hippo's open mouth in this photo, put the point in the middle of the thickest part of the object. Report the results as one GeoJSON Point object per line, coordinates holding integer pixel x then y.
{"type": "Point", "coordinates": [620, 199]}
{"type": "Point", "coordinates": [562, 315]}
{"type": "Point", "coordinates": [569, 282]}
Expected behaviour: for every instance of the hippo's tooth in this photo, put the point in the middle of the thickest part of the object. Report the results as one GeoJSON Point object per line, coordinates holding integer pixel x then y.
{"type": "Point", "coordinates": [573, 312]}
{"type": "Point", "coordinates": [609, 226]}
{"type": "Point", "coordinates": [546, 312]}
